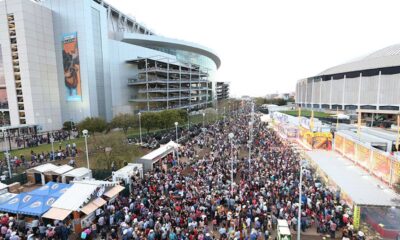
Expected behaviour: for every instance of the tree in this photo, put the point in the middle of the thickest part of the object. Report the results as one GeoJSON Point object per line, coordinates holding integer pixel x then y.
{"type": "Point", "coordinates": [169, 117]}
{"type": "Point", "coordinates": [150, 120]}
{"type": "Point", "coordinates": [93, 125]}
{"type": "Point", "coordinates": [112, 148]}
{"type": "Point", "coordinates": [68, 125]}
{"type": "Point", "coordinates": [123, 121]}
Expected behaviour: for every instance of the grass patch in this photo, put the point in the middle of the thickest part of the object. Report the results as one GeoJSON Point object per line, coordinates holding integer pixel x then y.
{"type": "Point", "coordinates": [307, 113]}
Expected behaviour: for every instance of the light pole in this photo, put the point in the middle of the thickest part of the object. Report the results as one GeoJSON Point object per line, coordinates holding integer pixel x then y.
{"type": "Point", "coordinates": [140, 128]}
{"type": "Point", "coordinates": [302, 164]}
{"type": "Point", "coordinates": [230, 135]}
{"type": "Point", "coordinates": [250, 141]}
{"type": "Point", "coordinates": [85, 134]}
{"type": "Point", "coordinates": [204, 114]}
{"type": "Point", "coordinates": [188, 116]}
{"type": "Point", "coordinates": [176, 131]}
{"type": "Point", "coordinates": [52, 145]}
{"type": "Point", "coordinates": [70, 131]}
{"type": "Point", "coordinates": [5, 135]}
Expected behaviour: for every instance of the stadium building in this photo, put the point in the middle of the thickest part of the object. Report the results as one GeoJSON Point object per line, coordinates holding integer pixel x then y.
{"type": "Point", "coordinates": [370, 83]}
{"type": "Point", "coordinates": [63, 60]}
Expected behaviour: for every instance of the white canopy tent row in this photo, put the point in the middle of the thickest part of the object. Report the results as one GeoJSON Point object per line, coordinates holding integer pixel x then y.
{"type": "Point", "coordinates": [155, 156]}
{"type": "Point", "coordinates": [82, 199]}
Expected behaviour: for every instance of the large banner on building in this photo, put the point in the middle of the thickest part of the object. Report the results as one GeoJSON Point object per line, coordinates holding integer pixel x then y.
{"type": "Point", "coordinates": [363, 156]}
{"type": "Point", "coordinates": [381, 165]}
{"type": "Point", "coordinates": [72, 72]}
{"type": "Point", "coordinates": [350, 149]}
{"type": "Point", "coordinates": [339, 143]}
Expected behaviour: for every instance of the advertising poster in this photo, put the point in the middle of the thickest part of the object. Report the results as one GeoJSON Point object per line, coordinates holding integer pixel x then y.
{"type": "Point", "coordinates": [363, 156]}
{"type": "Point", "coordinates": [72, 73]}
{"type": "Point", "coordinates": [396, 171]}
{"type": "Point", "coordinates": [381, 165]}
{"type": "Point", "coordinates": [338, 143]}
{"type": "Point", "coordinates": [350, 149]}
{"type": "Point", "coordinates": [356, 217]}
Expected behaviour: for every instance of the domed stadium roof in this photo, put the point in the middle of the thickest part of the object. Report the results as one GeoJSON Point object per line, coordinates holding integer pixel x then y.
{"type": "Point", "coordinates": [386, 57]}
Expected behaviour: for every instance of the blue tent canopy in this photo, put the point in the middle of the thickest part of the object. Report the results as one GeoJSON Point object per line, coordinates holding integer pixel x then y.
{"type": "Point", "coordinates": [19, 201]}
{"type": "Point", "coordinates": [37, 208]}
{"type": "Point", "coordinates": [36, 202]}
{"type": "Point", "coordinates": [51, 189]}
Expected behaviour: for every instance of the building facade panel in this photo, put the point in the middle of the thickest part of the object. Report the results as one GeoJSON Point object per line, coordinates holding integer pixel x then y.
{"type": "Point", "coordinates": [389, 90]}
{"type": "Point", "coordinates": [369, 93]}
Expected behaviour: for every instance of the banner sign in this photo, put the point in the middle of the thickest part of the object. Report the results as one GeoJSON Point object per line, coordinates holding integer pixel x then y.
{"type": "Point", "coordinates": [381, 165]}
{"type": "Point", "coordinates": [72, 73]}
{"type": "Point", "coordinates": [363, 156]}
{"type": "Point", "coordinates": [349, 149]}
{"type": "Point", "coordinates": [339, 143]}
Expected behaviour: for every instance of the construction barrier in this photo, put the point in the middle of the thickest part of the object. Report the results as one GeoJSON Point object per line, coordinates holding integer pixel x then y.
{"type": "Point", "coordinates": [379, 163]}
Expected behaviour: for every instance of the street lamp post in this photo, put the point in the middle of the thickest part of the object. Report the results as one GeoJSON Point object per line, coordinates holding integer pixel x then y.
{"type": "Point", "coordinates": [188, 117]}
{"type": "Point", "coordinates": [52, 146]}
{"type": "Point", "coordinates": [85, 134]}
{"type": "Point", "coordinates": [302, 164]}
{"type": "Point", "coordinates": [176, 131]}
{"type": "Point", "coordinates": [5, 135]}
{"type": "Point", "coordinates": [204, 114]}
{"type": "Point", "coordinates": [70, 131]}
{"type": "Point", "coordinates": [140, 128]}
{"type": "Point", "coordinates": [250, 141]}
{"type": "Point", "coordinates": [230, 135]}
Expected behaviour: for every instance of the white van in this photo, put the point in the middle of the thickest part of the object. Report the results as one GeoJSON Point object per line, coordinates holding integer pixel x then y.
{"type": "Point", "coordinates": [283, 232]}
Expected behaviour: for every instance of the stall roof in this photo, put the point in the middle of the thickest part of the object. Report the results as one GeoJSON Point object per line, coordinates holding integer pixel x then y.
{"type": "Point", "coordinates": [60, 170]}
{"type": "Point", "coordinates": [18, 202]}
{"type": "Point", "coordinates": [57, 213]}
{"type": "Point", "coordinates": [40, 205]}
{"type": "Point", "coordinates": [128, 169]}
{"type": "Point", "coordinates": [361, 187]}
{"type": "Point", "coordinates": [3, 186]}
{"type": "Point", "coordinates": [77, 172]}
{"type": "Point", "coordinates": [51, 189]}
{"type": "Point", "coordinates": [114, 191]}
{"type": "Point", "coordinates": [160, 152]}
{"type": "Point", "coordinates": [75, 197]}
{"type": "Point", "coordinates": [6, 196]}
{"type": "Point", "coordinates": [93, 205]}
{"type": "Point", "coordinates": [388, 135]}
{"type": "Point", "coordinates": [43, 168]}
{"type": "Point", "coordinates": [363, 137]}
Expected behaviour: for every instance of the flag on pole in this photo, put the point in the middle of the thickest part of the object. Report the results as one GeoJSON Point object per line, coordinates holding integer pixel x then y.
{"type": "Point", "coordinates": [398, 133]}
{"type": "Point", "coordinates": [312, 121]}
{"type": "Point", "coordinates": [337, 118]}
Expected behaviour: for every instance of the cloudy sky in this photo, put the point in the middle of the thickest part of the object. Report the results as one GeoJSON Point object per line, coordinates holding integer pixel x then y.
{"type": "Point", "coordinates": [267, 45]}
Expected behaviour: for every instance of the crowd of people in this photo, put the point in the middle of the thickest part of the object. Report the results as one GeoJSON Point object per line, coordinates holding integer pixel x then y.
{"type": "Point", "coordinates": [61, 152]}
{"type": "Point", "coordinates": [215, 191]}
{"type": "Point", "coordinates": [224, 195]}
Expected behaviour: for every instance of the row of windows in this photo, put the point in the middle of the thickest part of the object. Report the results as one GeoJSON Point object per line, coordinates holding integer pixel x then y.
{"type": "Point", "coordinates": [350, 107]}
{"type": "Point", "coordinates": [355, 74]}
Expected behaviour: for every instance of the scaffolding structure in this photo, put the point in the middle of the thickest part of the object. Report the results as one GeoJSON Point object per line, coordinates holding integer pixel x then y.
{"type": "Point", "coordinates": [163, 83]}
{"type": "Point", "coordinates": [222, 90]}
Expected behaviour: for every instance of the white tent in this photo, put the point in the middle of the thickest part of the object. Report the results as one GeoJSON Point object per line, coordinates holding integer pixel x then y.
{"type": "Point", "coordinates": [75, 197]}
{"type": "Point", "coordinates": [37, 173]}
{"type": "Point", "coordinates": [126, 173]}
{"type": "Point", "coordinates": [341, 116]}
{"type": "Point", "coordinates": [156, 155]}
{"type": "Point", "coordinates": [77, 174]}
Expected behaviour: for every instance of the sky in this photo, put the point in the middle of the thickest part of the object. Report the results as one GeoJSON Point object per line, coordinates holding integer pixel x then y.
{"type": "Point", "coordinates": [266, 46]}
